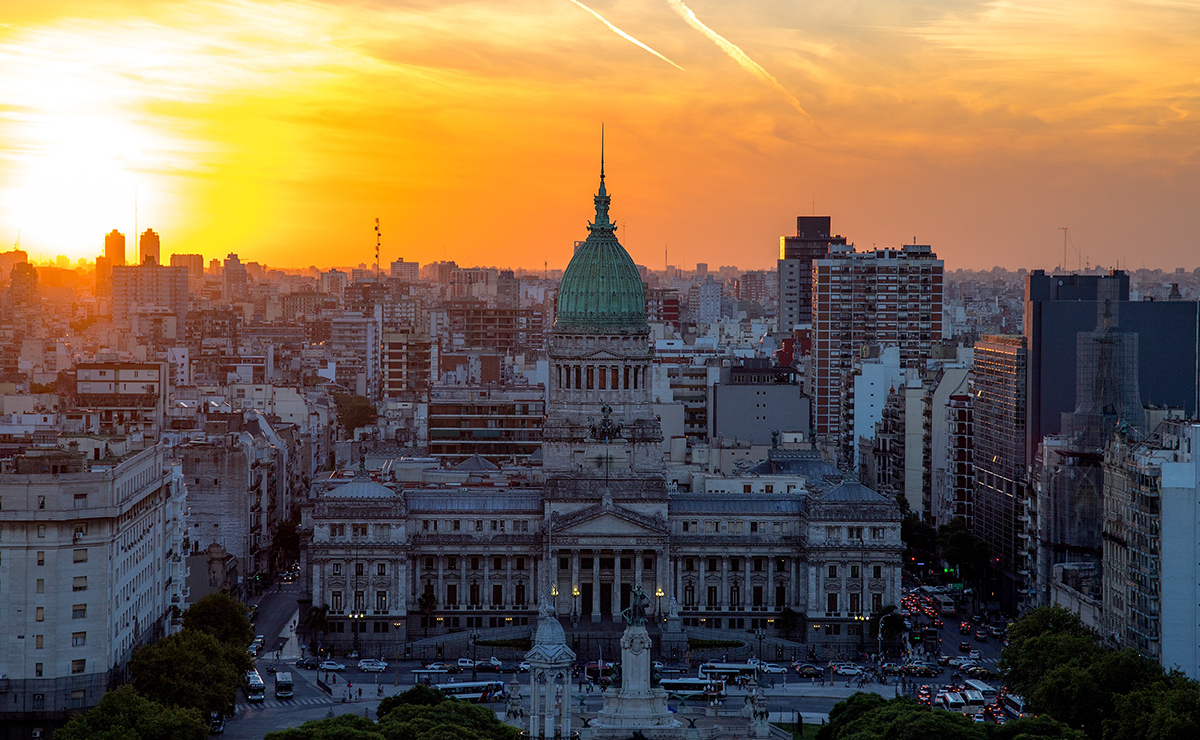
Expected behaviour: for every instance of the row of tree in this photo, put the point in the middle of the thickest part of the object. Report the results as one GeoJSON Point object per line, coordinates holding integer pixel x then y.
{"type": "Point", "coordinates": [1074, 688]}
{"type": "Point", "coordinates": [421, 713]}
{"type": "Point", "coordinates": [177, 682]}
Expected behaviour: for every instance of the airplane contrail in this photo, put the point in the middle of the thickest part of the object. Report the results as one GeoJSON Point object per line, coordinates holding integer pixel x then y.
{"type": "Point", "coordinates": [739, 56]}
{"type": "Point", "coordinates": [624, 35]}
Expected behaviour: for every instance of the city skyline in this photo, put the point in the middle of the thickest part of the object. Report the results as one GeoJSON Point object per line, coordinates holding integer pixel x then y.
{"type": "Point", "coordinates": [280, 130]}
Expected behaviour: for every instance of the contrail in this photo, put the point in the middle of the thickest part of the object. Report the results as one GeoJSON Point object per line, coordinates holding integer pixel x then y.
{"type": "Point", "coordinates": [738, 55]}
{"type": "Point", "coordinates": [626, 36]}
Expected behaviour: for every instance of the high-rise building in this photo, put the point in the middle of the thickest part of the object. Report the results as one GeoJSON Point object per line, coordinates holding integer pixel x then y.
{"type": "Point", "coordinates": [149, 286]}
{"type": "Point", "coordinates": [195, 267]}
{"type": "Point", "coordinates": [889, 296]}
{"type": "Point", "coordinates": [236, 283]}
{"type": "Point", "coordinates": [93, 571]}
{"type": "Point", "coordinates": [1001, 485]}
{"type": "Point", "coordinates": [114, 247]}
{"type": "Point", "coordinates": [796, 254]}
{"type": "Point", "coordinates": [407, 363]}
{"type": "Point", "coordinates": [409, 272]}
{"type": "Point", "coordinates": [149, 247]}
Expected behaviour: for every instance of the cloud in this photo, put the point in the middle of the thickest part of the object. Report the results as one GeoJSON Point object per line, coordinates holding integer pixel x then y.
{"type": "Point", "coordinates": [626, 36]}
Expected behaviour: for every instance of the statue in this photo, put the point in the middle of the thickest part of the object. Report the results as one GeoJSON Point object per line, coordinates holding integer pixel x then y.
{"type": "Point", "coordinates": [513, 711]}
{"type": "Point", "coordinates": [639, 605]}
{"type": "Point", "coordinates": [672, 607]}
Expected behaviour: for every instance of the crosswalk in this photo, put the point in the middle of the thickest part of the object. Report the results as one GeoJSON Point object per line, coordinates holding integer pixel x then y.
{"type": "Point", "coordinates": [276, 704]}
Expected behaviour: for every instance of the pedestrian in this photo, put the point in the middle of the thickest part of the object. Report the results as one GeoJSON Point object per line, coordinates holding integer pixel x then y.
{"type": "Point", "coordinates": [360, 692]}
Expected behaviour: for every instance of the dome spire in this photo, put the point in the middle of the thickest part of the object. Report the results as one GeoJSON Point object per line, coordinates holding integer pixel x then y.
{"type": "Point", "coordinates": [602, 225]}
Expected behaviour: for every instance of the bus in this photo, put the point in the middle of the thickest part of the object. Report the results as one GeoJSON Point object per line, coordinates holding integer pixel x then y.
{"type": "Point", "coordinates": [952, 702]}
{"type": "Point", "coordinates": [973, 702]}
{"type": "Point", "coordinates": [1013, 705]}
{"type": "Point", "coordinates": [945, 604]}
{"type": "Point", "coordinates": [989, 694]}
{"type": "Point", "coordinates": [688, 688]}
{"type": "Point", "coordinates": [255, 688]}
{"type": "Point", "coordinates": [727, 672]}
{"type": "Point", "coordinates": [474, 691]}
{"type": "Point", "coordinates": [283, 686]}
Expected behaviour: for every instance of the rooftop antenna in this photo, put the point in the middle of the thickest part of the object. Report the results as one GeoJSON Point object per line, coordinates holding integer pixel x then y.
{"type": "Point", "coordinates": [378, 235]}
{"type": "Point", "coordinates": [1063, 229]}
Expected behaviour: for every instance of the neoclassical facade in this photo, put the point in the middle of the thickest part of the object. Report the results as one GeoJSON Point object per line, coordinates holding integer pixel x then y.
{"type": "Point", "coordinates": [397, 564]}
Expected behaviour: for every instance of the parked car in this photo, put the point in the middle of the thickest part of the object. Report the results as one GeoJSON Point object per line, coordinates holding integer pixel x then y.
{"type": "Point", "coordinates": [772, 668]}
{"type": "Point", "coordinates": [310, 663]}
{"type": "Point", "coordinates": [437, 666]}
{"type": "Point", "coordinates": [332, 665]}
{"type": "Point", "coordinates": [808, 670]}
{"type": "Point", "coordinates": [466, 664]}
{"type": "Point", "coordinates": [370, 665]}
{"type": "Point", "coordinates": [523, 667]}
{"type": "Point", "coordinates": [847, 669]}
{"type": "Point", "coordinates": [964, 646]}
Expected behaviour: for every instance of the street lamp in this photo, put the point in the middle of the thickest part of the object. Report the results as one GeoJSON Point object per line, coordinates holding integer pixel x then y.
{"type": "Point", "coordinates": [575, 604]}
{"type": "Point", "coordinates": [760, 634]}
{"type": "Point", "coordinates": [658, 593]}
{"type": "Point", "coordinates": [474, 668]}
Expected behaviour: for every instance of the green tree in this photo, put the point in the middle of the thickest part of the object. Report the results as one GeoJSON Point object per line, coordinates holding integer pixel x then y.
{"type": "Point", "coordinates": [1166, 710]}
{"type": "Point", "coordinates": [427, 604]}
{"type": "Point", "coordinates": [287, 541]}
{"type": "Point", "coordinates": [787, 621]}
{"type": "Point", "coordinates": [221, 616]}
{"type": "Point", "coordinates": [419, 695]}
{"type": "Point", "coordinates": [888, 620]}
{"type": "Point", "coordinates": [122, 714]}
{"type": "Point", "coordinates": [1035, 727]}
{"type": "Point", "coordinates": [1046, 639]}
{"type": "Point", "coordinates": [920, 540]}
{"type": "Point", "coordinates": [188, 669]}
{"type": "Point", "coordinates": [959, 547]}
{"type": "Point", "coordinates": [864, 718]}
{"type": "Point", "coordinates": [342, 727]}
{"type": "Point", "coordinates": [354, 412]}
{"type": "Point", "coordinates": [447, 720]}
{"type": "Point", "coordinates": [848, 710]}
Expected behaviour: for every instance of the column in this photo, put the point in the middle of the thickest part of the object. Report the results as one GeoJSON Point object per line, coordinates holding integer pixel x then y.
{"type": "Point", "coordinates": [796, 603]}
{"type": "Point", "coordinates": [565, 721]}
{"type": "Point", "coordinates": [677, 564]}
{"type": "Point", "coordinates": [637, 570]}
{"type": "Point", "coordinates": [535, 701]}
{"type": "Point", "coordinates": [441, 582]}
{"type": "Point", "coordinates": [702, 584]}
{"type": "Point", "coordinates": [769, 591]}
{"type": "Point", "coordinates": [485, 591]}
{"type": "Point", "coordinates": [508, 584]}
{"type": "Point", "coordinates": [535, 593]}
{"type": "Point", "coordinates": [616, 605]}
{"type": "Point", "coordinates": [595, 585]}
{"type": "Point", "coordinates": [401, 586]}
{"type": "Point", "coordinates": [463, 589]}
{"type": "Point", "coordinates": [724, 601]}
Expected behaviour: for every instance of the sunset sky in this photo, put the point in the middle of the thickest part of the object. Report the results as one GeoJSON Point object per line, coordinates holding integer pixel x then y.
{"type": "Point", "coordinates": [281, 130]}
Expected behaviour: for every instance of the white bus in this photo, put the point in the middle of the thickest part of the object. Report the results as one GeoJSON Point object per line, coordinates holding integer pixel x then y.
{"type": "Point", "coordinates": [952, 702]}
{"type": "Point", "coordinates": [945, 604]}
{"type": "Point", "coordinates": [687, 688]}
{"type": "Point", "coordinates": [973, 702]}
{"type": "Point", "coordinates": [283, 686]}
{"type": "Point", "coordinates": [1014, 706]}
{"type": "Point", "coordinates": [255, 688]}
{"type": "Point", "coordinates": [474, 691]}
{"type": "Point", "coordinates": [989, 694]}
{"type": "Point", "coordinates": [727, 671]}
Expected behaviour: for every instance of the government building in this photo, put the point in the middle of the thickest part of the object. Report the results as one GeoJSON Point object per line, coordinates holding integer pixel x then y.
{"type": "Point", "coordinates": [387, 562]}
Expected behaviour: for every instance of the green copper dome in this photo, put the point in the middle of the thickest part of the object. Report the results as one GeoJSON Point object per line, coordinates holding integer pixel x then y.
{"type": "Point", "coordinates": [601, 288]}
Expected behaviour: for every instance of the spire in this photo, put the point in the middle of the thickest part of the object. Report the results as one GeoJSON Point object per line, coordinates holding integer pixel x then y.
{"type": "Point", "coordinates": [602, 225]}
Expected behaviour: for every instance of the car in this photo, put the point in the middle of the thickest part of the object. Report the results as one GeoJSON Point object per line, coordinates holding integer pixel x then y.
{"type": "Point", "coordinates": [506, 668]}
{"type": "Point", "coordinates": [310, 663]}
{"type": "Point", "coordinates": [891, 669]}
{"type": "Point", "coordinates": [964, 628]}
{"type": "Point", "coordinates": [808, 670]}
{"type": "Point", "coordinates": [847, 669]}
{"type": "Point", "coordinates": [978, 719]}
{"type": "Point", "coordinates": [331, 665]}
{"type": "Point", "coordinates": [467, 664]}
{"type": "Point", "coordinates": [216, 723]}
{"type": "Point", "coordinates": [974, 655]}
{"type": "Point", "coordinates": [370, 665]}
{"type": "Point", "coordinates": [981, 635]}
{"type": "Point", "coordinates": [977, 619]}
{"type": "Point", "coordinates": [996, 631]}
{"type": "Point", "coordinates": [772, 668]}
{"type": "Point", "coordinates": [944, 659]}
{"type": "Point", "coordinates": [964, 647]}
{"type": "Point", "coordinates": [983, 674]}
{"type": "Point", "coordinates": [523, 667]}
{"type": "Point", "coordinates": [437, 666]}
{"type": "Point", "coordinates": [938, 624]}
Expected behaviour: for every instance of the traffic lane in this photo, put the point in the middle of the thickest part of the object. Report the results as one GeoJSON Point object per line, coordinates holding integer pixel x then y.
{"type": "Point", "coordinates": [276, 609]}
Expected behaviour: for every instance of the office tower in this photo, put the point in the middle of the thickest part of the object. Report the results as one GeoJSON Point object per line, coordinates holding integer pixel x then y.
{"type": "Point", "coordinates": [1001, 489]}
{"type": "Point", "coordinates": [114, 247]}
{"type": "Point", "coordinates": [701, 269]}
{"type": "Point", "coordinates": [195, 267]}
{"type": "Point", "coordinates": [236, 286]}
{"type": "Point", "coordinates": [149, 286]}
{"type": "Point", "coordinates": [704, 301]}
{"type": "Point", "coordinates": [148, 248]}
{"type": "Point", "coordinates": [409, 272]}
{"type": "Point", "coordinates": [796, 254]}
{"type": "Point", "coordinates": [103, 276]}
{"type": "Point", "coordinates": [890, 296]}
{"type": "Point", "coordinates": [1151, 564]}
{"type": "Point", "coordinates": [93, 573]}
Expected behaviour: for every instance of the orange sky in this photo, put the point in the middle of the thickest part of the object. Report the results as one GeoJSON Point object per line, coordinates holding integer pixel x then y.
{"type": "Point", "coordinates": [280, 130]}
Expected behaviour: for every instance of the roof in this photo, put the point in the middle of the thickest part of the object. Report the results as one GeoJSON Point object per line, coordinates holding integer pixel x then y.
{"type": "Point", "coordinates": [361, 487]}
{"type": "Point", "coordinates": [601, 287]}
{"type": "Point", "coordinates": [852, 490]}
{"type": "Point", "coordinates": [723, 503]}
{"type": "Point", "coordinates": [476, 463]}
{"type": "Point", "coordinates": [467, 500]}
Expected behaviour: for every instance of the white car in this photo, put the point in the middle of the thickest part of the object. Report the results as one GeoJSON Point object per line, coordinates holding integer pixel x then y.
{"type": "Point", "coordinates": [523, 666]}
{"type": "Point", "coordinates": [847, 669]}
{"type": "Point", "coordinates": [772, 668]}
{"type": "Point", "coordinates": [331, 665]}
{"type": "Point", "coordinates": [975, 655]}
{"type": "Point", "coordinates": [370, 665]}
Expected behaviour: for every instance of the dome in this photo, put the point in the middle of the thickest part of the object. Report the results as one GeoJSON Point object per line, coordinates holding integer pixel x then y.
{"type": "Point", "coordinates": [601, 287]}
{"type": "Point", "coordinates": [361, 487]}
{"type": "Point", "coordinates": [549, 631]}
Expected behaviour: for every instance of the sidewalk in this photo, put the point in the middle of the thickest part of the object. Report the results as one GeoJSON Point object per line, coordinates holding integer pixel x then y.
{"type": "Point", "coordinates": [291, 649]}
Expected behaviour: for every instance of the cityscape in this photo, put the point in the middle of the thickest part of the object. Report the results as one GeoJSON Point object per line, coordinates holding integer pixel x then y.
{"type": "Point", "coordinates": [771, 467]}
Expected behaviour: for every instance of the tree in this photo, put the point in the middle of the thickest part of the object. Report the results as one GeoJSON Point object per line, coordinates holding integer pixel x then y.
{"type": "Point", "coordinates": [447, 720]}
{"type": "Point", "coordinates": [787, 621]}
{"type": "Point", "coordinates": [221, 616]}
{"type": "Point", "coordinates": [123, 714]}
{"type": "Point", "coordinates": [427, 603]}
{"type": "Point", "coordinates": [1035, 727]}
{"type": "Point", "coordinates": [920, 541]}
{"type": "Point", "coordinates": [287, 541]}
{"type": "Point", "coordinates": [889, 621]}
{"type": "Point", "coordinates": [960, 547]}
{"type": "Point", "coordinates": [188, 669]}
{"type": "Point", "coordinates": [848, 710]}
{"type": "Point", "coordinates": [316, 620]}
{"type": "Point", "coordinates": [342, 727]}
{"type": "Point", "coordinates": [354, 412]}
{"type": "Point", "coordinates": [869, 716]}
{"type": "Point", "coordinates": [419, 695]}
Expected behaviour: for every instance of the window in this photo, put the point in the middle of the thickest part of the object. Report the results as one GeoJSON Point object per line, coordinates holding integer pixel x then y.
{"type": "Point", "coordinates": [647, 563]}
{"type": "Point", "coordinates": [876, 602]}
{"type": "Point", "coordinates": [564, 563]}
{"type": "Point", "coordinates": [753, 527]}
{"type": "Point", "coordinates": [337, 530]}
{"type": "Point", "coordinates": [520, 563]}
{"type": "Point", "coordinates": [80, 556]}
{"type": "Point", "coordinates": [381, 601]}
{"type": "Point", "coordinates": [735, 564]}
{"type": "Point", "coordinates": [457, 525]}
{"type": "Point", "coordinates": [878, 533]}
{"type": "Point", "coordinates": [452, 563]}
{"type": "Point", "coordinates": [41, 585]}
{"type": "Point", "coordinates": [712, 597]}
{"type": "Point", "coordinates": [495, 525]}
{"type": "Point", "coordinates": [360, 601]}
{"type": "Point", "coordinates": [877, 571]}
{"type": "Point", "coordinates": [38, 641]}
{"type": "Point", "coordinates": [478, 525]}
{"type": "Point", "coordinates": [712, 564]}
{"type": "Point", "coordinates": [337, 569]}
{"type": "Point", "coordinates": [497, 563]}
{"type": "Point", "coordinates": [79, 611]}
{"type": "Point", "coordinates": [78, 666]}
{"type": "Point", "coordinates": [336, 601]}
{"type": "Point", "coordinates": [689, 564]}
{"type": "Point", "coordinates": [833, 571]}
{"type": "Point", "coordinates": [831, 602]}
{"type": "Point", "coordinates": [80, 500]}
{"type": "Point", "coordinates": [37, 670]}
{"type": "Point", "coordinates": [78, 639]}
{"type": "Point", "coordinates": [758, 565]}
{"type": "Point", "coordinates": [854, 533]}
{"type": "Point", "coordinates": [855, 603]}
{"type": "Point", "coordinates": [425, 525]}
{"type": "Point", "coordinates": [359, 569]}
{"type": "Point", "coordinates": [428, 563]}
{"type": "Point", "coordinates": [41, 502]}
{"type": "Point", "coordinates": [381, 569]}
{"type": "Point", "coordinates": [745, 488]}
{"type": "Point", "coordinates": [854, 571]}
{"type": "Point", "coordinates": [685, 526]}
{"type": "Point", "coordinates": [734, 527]}
{"type": "Point", "coordinates": [41, 557]}
{"type": "Point", "coordinates": [41, 531]}
{"type": "Point", "coordinates": [833, 533]}
{"type": "Point", "coordinates": [710, 527]}
{"type": "Point", "coordinates": [79, 583]}
{"type": "Point", "coordinates": [474, 563]}
{"type": "Point", "coordinates": [41, 614]}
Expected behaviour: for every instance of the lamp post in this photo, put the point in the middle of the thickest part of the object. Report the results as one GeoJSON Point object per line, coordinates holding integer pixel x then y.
{"type": "Point", "coordinates": [658, 593]}
{"type": "Point", "coordinates": [474, 668]}
{"type": "Point", "coordinates": [575, 605]}
{"type": "Point", "coordinates": [356, 623]}
{"type": "Point", "coordinates": [399, 650]}
{"type": "Point", "coordinates": [760, 634]}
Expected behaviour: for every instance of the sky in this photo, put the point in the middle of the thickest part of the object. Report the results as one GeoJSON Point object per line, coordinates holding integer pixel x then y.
{"type": "Point", "coordinates": [280, 130]}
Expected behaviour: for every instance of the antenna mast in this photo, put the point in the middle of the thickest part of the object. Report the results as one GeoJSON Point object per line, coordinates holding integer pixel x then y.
{"type": "Point", "coordinates": [377, 238]}
{"type": "Point", "coordinates": [1063, 229]}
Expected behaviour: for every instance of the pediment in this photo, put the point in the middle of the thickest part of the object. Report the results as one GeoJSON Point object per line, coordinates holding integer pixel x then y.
{"type": "Point", "coordinates": [610, 520]}
{"type": "Point", "coordinates": [603, 354]}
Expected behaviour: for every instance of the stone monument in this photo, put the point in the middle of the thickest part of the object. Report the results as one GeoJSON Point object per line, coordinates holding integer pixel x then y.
{"type": "Point", "coordinates": [674, 639]}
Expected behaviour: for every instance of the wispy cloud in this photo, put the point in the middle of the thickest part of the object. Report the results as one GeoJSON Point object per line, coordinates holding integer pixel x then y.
{"type": "Point", "coordinates": [739, 56]}
{"type": "Point", "coordinates": [626, 36]}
